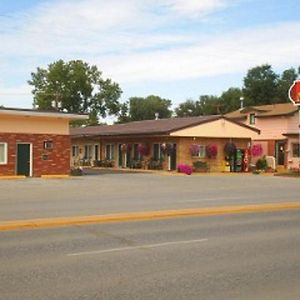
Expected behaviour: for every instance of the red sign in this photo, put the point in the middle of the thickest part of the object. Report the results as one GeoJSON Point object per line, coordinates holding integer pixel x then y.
{"type": "Point", "coordinates": [294, 92]}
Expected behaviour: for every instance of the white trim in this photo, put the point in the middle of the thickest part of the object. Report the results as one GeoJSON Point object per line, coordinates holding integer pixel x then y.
{"type": "Point", "coordinates": [43, 114]}
{"type": "Point", "coordinates": [5, 153]}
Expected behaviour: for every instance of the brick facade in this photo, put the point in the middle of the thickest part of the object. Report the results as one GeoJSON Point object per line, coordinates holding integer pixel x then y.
{"type": "Point", "coordinates": [44, 161]}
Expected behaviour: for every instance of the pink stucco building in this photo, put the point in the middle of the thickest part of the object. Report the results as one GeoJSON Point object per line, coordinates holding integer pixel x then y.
{"type": "Point", "coordinates": [279, 126]}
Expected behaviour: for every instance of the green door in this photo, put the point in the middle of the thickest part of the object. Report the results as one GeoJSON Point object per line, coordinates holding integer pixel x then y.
{"type": "Point", "coordinates": [174, 158]}
{"type": "Point", "coordinates": [23, 159]}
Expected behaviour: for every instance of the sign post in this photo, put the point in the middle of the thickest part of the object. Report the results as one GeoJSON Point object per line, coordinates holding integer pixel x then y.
{"type": "Point", "coordinates": [294, 95]}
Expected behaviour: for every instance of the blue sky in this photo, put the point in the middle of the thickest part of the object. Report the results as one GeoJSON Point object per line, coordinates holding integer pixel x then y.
{"type": "Point", "coordinates": [177, 49]}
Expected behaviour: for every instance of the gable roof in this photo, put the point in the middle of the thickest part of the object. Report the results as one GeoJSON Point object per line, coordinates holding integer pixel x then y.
{"type": "Point", "coordinates": [261, 111]}
{"type": "Point", "coordinates": [147, 127]}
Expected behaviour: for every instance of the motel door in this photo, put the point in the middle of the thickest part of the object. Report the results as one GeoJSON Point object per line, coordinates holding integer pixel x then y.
{"type": "Point", "coordinates": [280, 153]}
{"type": "Point", "coordinates": [173, 158]}
{"type": "Point", "coordinates": [23, 159]}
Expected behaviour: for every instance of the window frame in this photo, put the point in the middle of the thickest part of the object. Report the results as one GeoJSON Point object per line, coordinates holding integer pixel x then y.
{"type": "Point", "coordinates": [75, 151]}
{"type": "Point", "coordinates": [252, 119]}
{"type": "Point", "coordinates": [109, 154]}
{"type": "Point", "coordinates": [4, 162]}
{"type": "Point", "coordinates": [295, 154]}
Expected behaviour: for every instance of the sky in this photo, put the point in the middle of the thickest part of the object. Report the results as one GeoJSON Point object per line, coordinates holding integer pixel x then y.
{"type": "Point", "coordinates": [176, 49]}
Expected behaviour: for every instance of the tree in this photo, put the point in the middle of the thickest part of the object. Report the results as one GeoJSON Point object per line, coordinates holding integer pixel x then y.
{"type": "Point", "coordinates": [260, 85]}
{"type": "Point", "coordinates": [210, 105]}
{"type": "Point", "coordinates": [284, 83]}
{"type": "Point", "coordinates": [75, 87]}
{"type": "Point", "coordinates": [145, 108]}
{"type": "Point", "coordinates": [189, 108]}
{"type": "Point", "coordinates": [231, 99]}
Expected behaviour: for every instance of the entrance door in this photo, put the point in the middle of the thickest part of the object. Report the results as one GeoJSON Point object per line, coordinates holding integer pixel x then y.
{"type": "Point", "coordinates": [23, 159]}
{"type": "Point", "coordinates": [173, 158]}
{"type": "Point", "coordinates": [280, 153]}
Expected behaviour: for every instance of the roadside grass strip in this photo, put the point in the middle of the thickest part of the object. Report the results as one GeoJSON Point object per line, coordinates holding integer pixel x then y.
{"type": "Point", "coordinates": [144, 216]}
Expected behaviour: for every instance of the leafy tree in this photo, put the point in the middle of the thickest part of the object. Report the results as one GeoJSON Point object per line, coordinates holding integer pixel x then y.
{"type": "Point", "coordinates": [145, 108]}
{"type": "Point", "coordinates": [124, 113]}
{"type": "Point", "coordinates": [75, 87]}
{"type": "Point", "coordinates": [210, 105]}
{"type": "Point", "coordinates": [285, 81]}
{"type": "Point", "coordinates": [260, 85]}
{"type": "Point", "coordinates": [189, 108]}
{"type": "Point", "coordinates": [231, 99]}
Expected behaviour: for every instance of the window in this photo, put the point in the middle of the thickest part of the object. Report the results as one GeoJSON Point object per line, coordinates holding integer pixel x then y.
{"type": "Point", "coordinates": [75, 151]}
{"type": "Point", "coordinates": [202, 151]}
{"type": "Point", "coordinates": [157, 154]}
{"type": "Point", "coordinates": [252, 119]}
{"type": "Point", "coordinates": [96, 152]}
{"type": "Point", "coordinates": [109, 151]}
{"type": "Point", "coordinates": [3, 153]}
{"type": "Point", "coordinates": [295, 149]}
{"type": "Point", "coordinates": [88, 152]}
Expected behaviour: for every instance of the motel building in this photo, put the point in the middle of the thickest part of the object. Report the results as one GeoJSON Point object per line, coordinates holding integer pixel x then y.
{"type": "Point", "coordinates": [34, 143]}
{"type": "Point", "coordinates": [163, 144]}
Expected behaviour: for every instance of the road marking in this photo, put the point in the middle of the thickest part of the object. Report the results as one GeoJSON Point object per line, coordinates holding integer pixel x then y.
{"type": "Point", "coordinates": [146, 215]}
{"type": "Point", "coordinates": [137, 247]}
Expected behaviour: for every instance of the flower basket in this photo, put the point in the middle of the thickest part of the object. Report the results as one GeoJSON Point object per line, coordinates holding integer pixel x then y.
{"type": "Point", "coordinates": [143, 149]}
{"type": "Point", "coordinates": [229, 149]}
{"type": "Point", "coordinates": [194, 149]}
{"type": "Point", "coordinates": [211, 150]}
{"type": "Point", "coordinates": [256, 150]}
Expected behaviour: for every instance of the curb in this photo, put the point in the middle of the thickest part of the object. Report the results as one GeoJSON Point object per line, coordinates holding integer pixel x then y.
{"type": "Point", "coordinates": [143, 216]}
{"type": "Point", "coordinates": [12, 177]}
{"type": "Point", "coordinates": [57, 176]}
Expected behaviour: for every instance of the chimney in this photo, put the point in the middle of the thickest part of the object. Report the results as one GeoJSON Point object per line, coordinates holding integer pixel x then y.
{"type": "Point", "coordinates": [242, 103]}
{"type": "Point", "coordinates": [156, 116]}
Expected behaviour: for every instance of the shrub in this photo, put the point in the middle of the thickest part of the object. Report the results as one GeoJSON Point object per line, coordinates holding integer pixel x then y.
{"type": "Point", "coordinates": [262, 164]}
{"type": "Point", "coordinates": [155, 164]}
{"type": "Point", "coordinates": [200, 166]}
{"type": "Point", "coordinates": [76, 171]}
{"type": "Point", "coordinates": [186, 169]}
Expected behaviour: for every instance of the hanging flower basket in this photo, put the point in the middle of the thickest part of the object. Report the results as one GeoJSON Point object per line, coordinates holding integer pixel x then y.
{"type": "Point", "coordinates": [229, 149]}
{"type": "Point", "coordinates": [163, 147]}
{"type": "Point", "coordinates": [143, 149]}
{"type": "Point", "coordinates": [194, 149]}
{"type": "Point", "coordinates": [256, 150]}
{"type": "Point", "coordinates": [211, 150]}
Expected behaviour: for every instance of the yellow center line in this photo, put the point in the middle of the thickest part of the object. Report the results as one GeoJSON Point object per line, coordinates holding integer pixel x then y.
{"type": "Point", "coordinates": [143, 216]}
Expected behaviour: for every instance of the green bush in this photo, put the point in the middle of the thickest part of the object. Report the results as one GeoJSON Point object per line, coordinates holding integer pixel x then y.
{"type": "Point", "coordinates": [76, 172]}
{"type": "Point", "coordinates": [262, 164]}
{"type": "Point", "coordinates": [200, 166]}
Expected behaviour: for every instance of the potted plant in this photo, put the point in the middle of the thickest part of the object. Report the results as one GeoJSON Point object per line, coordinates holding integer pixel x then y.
{"type": "Point", "coordinates": [212, 151]}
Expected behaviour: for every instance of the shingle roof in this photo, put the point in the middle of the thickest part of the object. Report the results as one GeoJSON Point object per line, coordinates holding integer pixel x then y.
{"type": "Point", "coordinates": [161, 126]}
{"type": "Point", "coordinates": [261, 111]}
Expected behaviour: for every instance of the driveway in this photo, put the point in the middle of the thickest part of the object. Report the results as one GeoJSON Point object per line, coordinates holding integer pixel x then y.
{"type": "Point", "coordinates": [113, 192]}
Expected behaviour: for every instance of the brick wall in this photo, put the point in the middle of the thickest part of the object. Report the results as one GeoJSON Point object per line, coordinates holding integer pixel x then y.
{"type": "Point", "coordinates": [45, 162]}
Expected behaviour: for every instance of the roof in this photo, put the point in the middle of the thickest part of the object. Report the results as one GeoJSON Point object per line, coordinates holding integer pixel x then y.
{"type": "Point", "coordinates": [147, 127]}
{"type": "Point", "coordinates": [261, 111]}
{"type": "Point", "coordinates": [39, 113]}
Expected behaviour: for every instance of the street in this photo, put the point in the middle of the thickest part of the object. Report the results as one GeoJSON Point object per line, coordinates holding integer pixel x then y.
{"type": "Point", "coordinates": [246, 256]}
{"type": "Point", "coordinates": [119, 193]}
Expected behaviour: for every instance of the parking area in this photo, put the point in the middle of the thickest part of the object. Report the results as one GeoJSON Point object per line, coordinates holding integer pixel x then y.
{"type": "Point", "coordinates": [114, 192]}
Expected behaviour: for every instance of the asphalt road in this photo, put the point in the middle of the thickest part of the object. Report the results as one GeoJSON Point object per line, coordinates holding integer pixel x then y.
{"type": "Point", "coordinates": [114, 193]}
{"type": "Point", "coordinates": [245, 256]}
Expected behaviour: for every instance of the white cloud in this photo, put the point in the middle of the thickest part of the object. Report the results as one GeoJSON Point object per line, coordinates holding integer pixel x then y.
{"type": "Point", "coordinates": [135, 40]}
{"type": "Point", "coordinates": [196, 8]}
